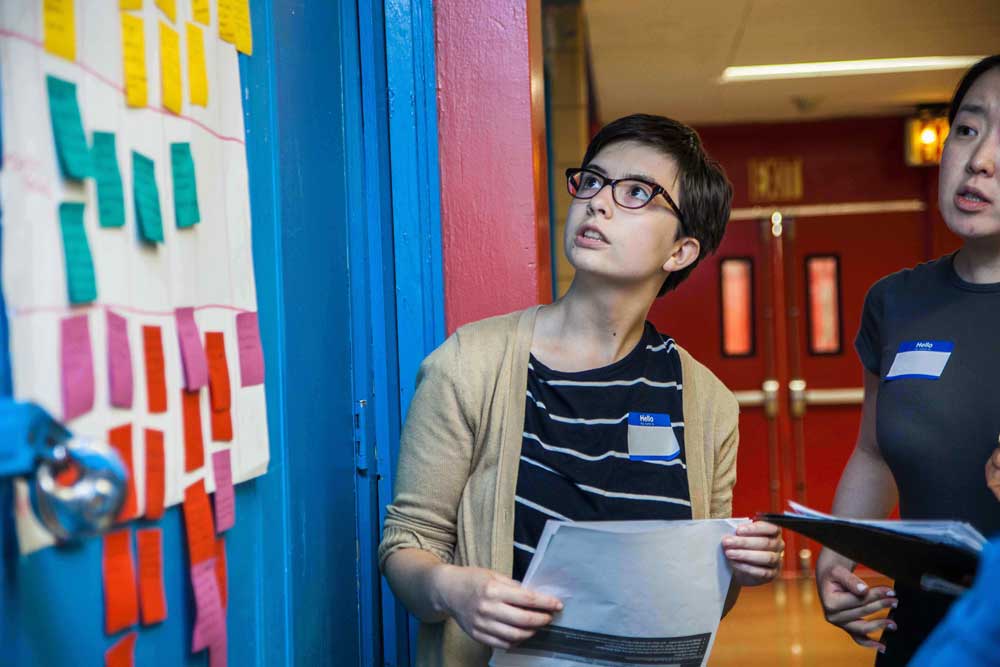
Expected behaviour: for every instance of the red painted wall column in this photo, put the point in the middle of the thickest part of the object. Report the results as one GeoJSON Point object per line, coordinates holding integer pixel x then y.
{"type": "Point", "coordinates": [491, 130]}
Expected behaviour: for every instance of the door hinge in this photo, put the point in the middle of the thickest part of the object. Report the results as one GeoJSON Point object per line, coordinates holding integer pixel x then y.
{"type": "Point", "coordinates": [361, 435]}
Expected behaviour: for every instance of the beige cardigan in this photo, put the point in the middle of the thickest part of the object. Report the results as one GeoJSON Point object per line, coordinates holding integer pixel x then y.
{"type": "Point", "coordinates": [459, 452]}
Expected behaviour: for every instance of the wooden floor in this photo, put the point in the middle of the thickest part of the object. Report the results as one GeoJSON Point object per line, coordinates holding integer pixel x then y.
{"type": "Point", "coordinates": [782, 625]}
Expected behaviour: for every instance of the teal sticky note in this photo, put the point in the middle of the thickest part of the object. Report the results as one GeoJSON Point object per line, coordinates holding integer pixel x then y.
{"type": "Point", "coordinates": [67, 128]}
{"type": "Point", "coordinates": [110, 197]}
{"type": "Point", "coordinates": [185, 188]}
{"type": "Point", "coordinates": [79, 263]}
{"type": "Point", "coordinates": [147, 199]}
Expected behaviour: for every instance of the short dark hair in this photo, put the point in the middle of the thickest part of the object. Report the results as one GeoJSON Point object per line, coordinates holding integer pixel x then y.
{"type": "Point", "coordinates": [706, 194]}
{"type": "Point", "coordinates": [969, 78]}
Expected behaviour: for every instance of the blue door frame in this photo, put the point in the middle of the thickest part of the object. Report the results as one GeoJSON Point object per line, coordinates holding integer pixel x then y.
{"type": "Point", "coordinates": [341, 140]}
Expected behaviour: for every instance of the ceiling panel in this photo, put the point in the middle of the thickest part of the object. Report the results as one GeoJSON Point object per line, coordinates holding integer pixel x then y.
{"type": "Point", "coordinates": [666, 56]}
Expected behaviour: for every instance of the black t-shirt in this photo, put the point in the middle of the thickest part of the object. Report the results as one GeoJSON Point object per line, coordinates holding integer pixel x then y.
{"type": "Point", "coordinates": [934, 341]}
{"type": "Point", "coordinates": [602, 444]}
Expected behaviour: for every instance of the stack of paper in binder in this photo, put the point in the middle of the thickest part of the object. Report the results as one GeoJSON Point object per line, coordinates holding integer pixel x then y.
{"type": "Point", "coordinates": [935, 554]}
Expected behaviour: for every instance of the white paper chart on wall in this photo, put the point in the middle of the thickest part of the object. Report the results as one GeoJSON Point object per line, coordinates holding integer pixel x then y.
{"type": "Point", "coordinates": [127, 262]}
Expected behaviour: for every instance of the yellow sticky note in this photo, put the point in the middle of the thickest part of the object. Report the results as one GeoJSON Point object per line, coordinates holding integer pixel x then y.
{"type": "Point", "coordinates": [201, 13]}
{"type": "Point", "coordinates": [170, 67]}
{"type": "Point", "coordinates": [168, 7]}
{"type": "Point", "coordinates": [129, 4]}
{"type": "Point", "coordinates": [134, 60]}
{"type": "Point", "coordinates": [241, 26]}
{"type": "Point", "coordinates": [197, 73]}
{"type": "Point", "coordinates": [60, 28]}
{"type": "Point", "coordinates": [227, 31]}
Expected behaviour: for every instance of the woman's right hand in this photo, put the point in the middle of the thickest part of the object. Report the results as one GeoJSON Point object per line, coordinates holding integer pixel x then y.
{"type": "Point", "coordinates": [848, 601]}
{"type": "Point", "coordinates": [492, 609]}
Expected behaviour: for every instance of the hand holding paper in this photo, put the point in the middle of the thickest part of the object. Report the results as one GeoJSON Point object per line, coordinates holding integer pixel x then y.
{"type": "Point", "coordinates": [754, 553]}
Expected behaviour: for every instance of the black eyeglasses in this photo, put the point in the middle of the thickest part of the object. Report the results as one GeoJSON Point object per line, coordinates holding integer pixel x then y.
{"type": "Point", "coordinates": [629, 193]}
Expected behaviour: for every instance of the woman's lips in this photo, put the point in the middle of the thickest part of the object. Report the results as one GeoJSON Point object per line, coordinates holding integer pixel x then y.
{"type": "Point", "coordinates": [971, 201]}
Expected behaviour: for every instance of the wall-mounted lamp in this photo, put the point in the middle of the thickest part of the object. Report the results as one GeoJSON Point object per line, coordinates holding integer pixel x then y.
{"type": "Point", "coordinates": [925, 135]}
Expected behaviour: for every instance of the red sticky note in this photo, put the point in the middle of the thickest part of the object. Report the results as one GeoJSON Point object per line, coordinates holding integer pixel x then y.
{"type": "Point", "coordinates": [225, 502]}
{"type": "Point", "coordinates": [152, 596]}
{"type": "Point", "coordinates": [156, 377]}
{"type": "Point", "coordinates": [218, 370]}
{"type": "Point", "coordinates": [77, 366]}
{"type": "Point", "coordinates": [155, 474]}
{"type": "Point", "coordinates": [192, 353]}
{"type": "Point", "coordinates": [198, 523]}
{"type": "Point", "coordinates": [219, 387]}
{"type": "Point", "coordinates": [121, 602]}
{"type": "Point", "coordinates": [251, 353]}
{"type": "Point", "coordinates": [119, 361]}
{"type": "Point", "coordinates": [120, 438]}
{"type": "Point", "coordinates": [194, 444]}
{"type": "Point", "coordinates": [122, 654]}
{"type": "Point", "coordinates": [220, 570]}
{"type": "Point", "coordinates": [210, 623]}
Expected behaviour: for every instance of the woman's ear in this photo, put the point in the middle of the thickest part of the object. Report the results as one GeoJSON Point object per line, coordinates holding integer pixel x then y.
{"type": "Point", "coordinates": [685, 253]}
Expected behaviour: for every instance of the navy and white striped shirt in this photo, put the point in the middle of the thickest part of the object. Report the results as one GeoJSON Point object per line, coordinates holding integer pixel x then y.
{"type": "Point", "coordinates": [575, 462]}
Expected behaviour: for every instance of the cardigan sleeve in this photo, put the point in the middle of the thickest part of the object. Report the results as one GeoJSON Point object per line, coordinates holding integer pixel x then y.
{"type": "Point", "coordinates": [727, 440]}
{"type": "Point", "coordinates": [435, 455]}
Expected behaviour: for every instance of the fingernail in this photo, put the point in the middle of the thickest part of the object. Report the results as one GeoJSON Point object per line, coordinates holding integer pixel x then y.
{"type": "Point", "coordinates": [862, 588]}
{"type": "Point", "coordinates": [881, 649]}
{"type": "Point", "coordinates": [559, 606]}
{"type": "Point", "coordinates": [894, 604]}
{"type": "Point", "coordinates": [727, 541]}
{"type": "Point", "coordinates": [890, 593]}
{"type": "Point", "coordinates": [891, 626]}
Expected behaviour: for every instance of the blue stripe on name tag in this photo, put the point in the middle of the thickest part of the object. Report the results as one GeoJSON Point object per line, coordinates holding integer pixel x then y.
{"type": "Point", "coordinates": [648, 419]}
{"type": "Point", "coordinates": [926, 346]}
{"type": "Point", "coordinates": [654, 457]}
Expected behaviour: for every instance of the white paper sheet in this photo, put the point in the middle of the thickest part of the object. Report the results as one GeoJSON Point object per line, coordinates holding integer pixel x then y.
{"type": "Point", "coordinates": [635, 593]}
{"type": "Point", "coordinates": [209, 266]}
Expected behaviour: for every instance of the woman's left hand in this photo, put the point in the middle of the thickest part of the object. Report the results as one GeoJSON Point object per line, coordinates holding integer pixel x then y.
{"type": "Point", "coordinates": [754, 552]}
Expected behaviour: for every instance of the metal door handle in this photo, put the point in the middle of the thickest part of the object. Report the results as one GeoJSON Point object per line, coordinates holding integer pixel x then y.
{"type": "Point", "coordinates": [770, 389]}
{"type": "Point", "coordinates": [797, 397]}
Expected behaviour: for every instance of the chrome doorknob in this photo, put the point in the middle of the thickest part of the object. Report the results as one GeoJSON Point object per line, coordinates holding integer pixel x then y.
{"type": "Point", "coordinates": [79, 488]}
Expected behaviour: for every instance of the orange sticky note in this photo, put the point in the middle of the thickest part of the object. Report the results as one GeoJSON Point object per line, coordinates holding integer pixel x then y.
{"type": "Point", "coordinates": [201, 13]}
{"type": "Point", "coordinates": [170, 68]}
{"type": "Point", "coordinates": [197, 69]}
{"type": "Point", "coordinates": [121, 602]}
{"type": "Point", "coordinates": [122, 654]}
{"type": "Point", "coordinates": [155, 473]}
{"type": "Point", "coordinates": [59, 22]}
{"type": "Point", "coordinates": [219, 388]}
{"type": "Point", "coordinates": [220, 569]}
{"type": "Point", "coordinates": [120, 438]}
{"type": "Point", "coordinates": [134, 60]}
{"type": "Point", "coordinates": [198, 523]}
{"type": "Point", "coordinates": [156, 378]}
{"type": "Point", "coordinates": [151, 593]}
{"type": "Point", "coordinates": [194, 444]}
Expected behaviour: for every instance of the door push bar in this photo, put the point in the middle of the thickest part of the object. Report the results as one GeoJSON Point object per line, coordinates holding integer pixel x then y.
{"type": "Point", "coordinates": [76, 484]}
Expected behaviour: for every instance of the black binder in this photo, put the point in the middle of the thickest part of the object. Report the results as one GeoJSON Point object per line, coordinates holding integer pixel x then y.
{"type": "Point", "coordinates": [906, 558]}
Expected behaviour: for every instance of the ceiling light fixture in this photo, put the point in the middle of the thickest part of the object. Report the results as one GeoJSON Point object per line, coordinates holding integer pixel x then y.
{"type": "Point", "coordinates": [845, 68]}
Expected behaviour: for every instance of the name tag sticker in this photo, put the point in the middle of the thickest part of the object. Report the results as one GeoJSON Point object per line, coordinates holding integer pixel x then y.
{"type": "Point", "coordinates": [651, 437]}
{"type": "Point", "coordinates": [920, 359]}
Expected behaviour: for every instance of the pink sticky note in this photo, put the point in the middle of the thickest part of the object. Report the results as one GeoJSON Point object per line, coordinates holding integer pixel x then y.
{"type": "Point", "coordinates": [251, 353]}
{"type": "Point", "coordinates": [192, 353]}
{"type": "Point", "coordinates": [119, 362]}
{"type": "Point", "coordinates": [77, 366]}
{"type": "Point", "coordinates": [210, 623]}
{"type": "Point", "coordinates": [225, 502]}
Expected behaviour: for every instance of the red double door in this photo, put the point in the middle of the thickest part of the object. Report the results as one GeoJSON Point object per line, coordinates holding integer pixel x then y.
{"type": "Point", "coordinates": [774, 314]}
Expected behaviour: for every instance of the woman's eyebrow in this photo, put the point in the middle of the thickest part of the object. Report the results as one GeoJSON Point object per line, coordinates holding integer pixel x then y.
{"type": "Point", "coordinates": [972, 108]}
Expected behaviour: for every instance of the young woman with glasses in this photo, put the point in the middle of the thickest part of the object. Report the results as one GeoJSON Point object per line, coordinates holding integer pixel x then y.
{"type": "Point", "coordinates": [536, 414]}
{"type": "Point", "coordinates": [930, 418]}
